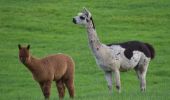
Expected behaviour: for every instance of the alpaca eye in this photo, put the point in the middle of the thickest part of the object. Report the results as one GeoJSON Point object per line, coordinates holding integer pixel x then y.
{"type": "Point", "coordinates": [82, 17]}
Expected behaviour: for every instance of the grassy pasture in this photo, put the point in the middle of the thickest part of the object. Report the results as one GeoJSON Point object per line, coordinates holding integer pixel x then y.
{"type": "Point", "coordinates": [47, 26]}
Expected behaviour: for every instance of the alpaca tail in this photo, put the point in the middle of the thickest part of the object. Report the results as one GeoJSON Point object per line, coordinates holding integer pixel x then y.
{"type": "Point", "coordinates": [151, 49]}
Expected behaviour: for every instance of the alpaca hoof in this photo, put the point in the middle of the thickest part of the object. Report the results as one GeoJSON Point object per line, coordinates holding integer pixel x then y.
{"type": "Point", "coordinates": [47, 99]}
{"type": "Point", "coordinates": [110, 89]}
{"type": "Point", "coordinates": [60, 98]}
{"type": "Point", "coordinates": [118, 89]}
{"type": "Point", "coordinates": [110, 92]}
{"type": "Point", "coordinates": [143, 89]}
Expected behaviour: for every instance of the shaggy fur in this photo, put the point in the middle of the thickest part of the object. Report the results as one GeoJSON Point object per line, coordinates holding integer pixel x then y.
{"type": "Point", "coordinates": [58, 68]}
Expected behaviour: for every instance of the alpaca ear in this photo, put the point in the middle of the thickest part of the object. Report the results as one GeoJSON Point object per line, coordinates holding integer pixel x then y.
{"type": "Point", "coordinates": [87, 12]}
{"type": "Point", "coordinates": [85, 9]}
{"type": "Point", "coordinates": [28, 47]}
{"type": "Point", "coordinates": [19, 46]}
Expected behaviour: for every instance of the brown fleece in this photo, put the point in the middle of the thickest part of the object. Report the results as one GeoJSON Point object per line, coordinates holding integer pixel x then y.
{"type": "Point", "coordinates": [58, 68]}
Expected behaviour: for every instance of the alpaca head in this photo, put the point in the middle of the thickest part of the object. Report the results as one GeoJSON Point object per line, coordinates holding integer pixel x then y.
{"type": "Point", "coordinates": [82, 18]}
{"type": "Point", "coordinates": [23, 53]}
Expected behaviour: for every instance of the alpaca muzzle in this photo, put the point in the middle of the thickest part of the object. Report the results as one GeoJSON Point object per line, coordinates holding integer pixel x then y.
{"type": "Point", "coordinates": [22, 59]}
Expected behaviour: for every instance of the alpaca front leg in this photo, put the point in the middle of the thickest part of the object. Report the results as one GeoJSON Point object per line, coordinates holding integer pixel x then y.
{"type": "Point", "coordinates": [117, 80]}
{"type": "Point", "coordinates": [108, 76]}
{"type": "Point", "coordinates": [45, 87]}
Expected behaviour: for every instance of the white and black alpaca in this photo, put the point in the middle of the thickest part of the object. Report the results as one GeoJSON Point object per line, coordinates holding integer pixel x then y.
{"type": "Point", "coordinates": [117, 57]}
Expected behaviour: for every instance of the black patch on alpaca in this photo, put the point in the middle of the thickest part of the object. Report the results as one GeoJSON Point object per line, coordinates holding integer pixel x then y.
{"type": "Point", "coordinates": [87, 20]}
{"type": "Point", "coordinates": [92, 22]}
{"type": "Point", "coordinates": [131, 46]}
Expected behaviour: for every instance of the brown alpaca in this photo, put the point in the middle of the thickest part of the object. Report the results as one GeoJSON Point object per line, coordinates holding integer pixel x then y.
{"type": "Point", "coordinates": [58, 68]}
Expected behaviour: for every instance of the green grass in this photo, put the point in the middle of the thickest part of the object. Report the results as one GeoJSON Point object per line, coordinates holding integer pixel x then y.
{"type": "Point", "coordinates": [47, 26]}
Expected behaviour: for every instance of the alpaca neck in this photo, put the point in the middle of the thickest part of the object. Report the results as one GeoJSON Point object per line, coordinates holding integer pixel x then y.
{"type": "Point", "coordinates": [32, 64]}
{"type": "Point", "coordinates": [92, 35]}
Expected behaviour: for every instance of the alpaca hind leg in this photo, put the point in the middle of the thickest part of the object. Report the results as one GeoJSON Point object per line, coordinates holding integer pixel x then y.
{"type": "Point", "coordinates": [117, 80]}
{"type": "Point", "coordinates": [70, 86]}
{"type": "Point", "coordinates": [45, 87]}
{"type": "Point", "coordinates": [60, 88]}
{"type": "Point", "coordinates": [108, 76]}
{"type": "Point", "coordinates": [141, 72]}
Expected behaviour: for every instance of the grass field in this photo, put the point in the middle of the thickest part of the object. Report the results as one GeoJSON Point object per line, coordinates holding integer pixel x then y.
{"type": "Point", "coordinates": [47, 26]}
